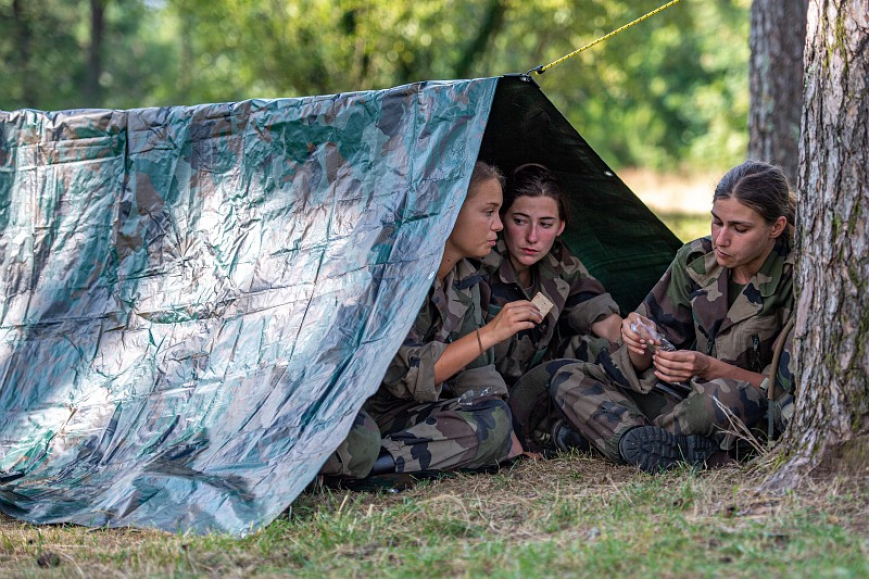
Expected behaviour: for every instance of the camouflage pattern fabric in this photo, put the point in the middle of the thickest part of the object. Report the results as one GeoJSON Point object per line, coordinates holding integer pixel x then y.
{"type": "Point", "coordinates": [579, 301]}
{"type": "Point", "coordinates": [195, 302]}
{"type": "Point", "coordinates": [602, 409]}
{"type": "Point", "coordinates": [454, 434]}
{"type": "Point", "coordinates": [689, 305]}
{"type": "Point", "coordinates": [460, 423]}
{"type": "Point", "coordinates": [354, 458]}
{"type": "Point", "coordinates": [597, 405]}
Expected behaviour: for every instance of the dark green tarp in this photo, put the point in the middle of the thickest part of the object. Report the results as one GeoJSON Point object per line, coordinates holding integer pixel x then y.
{"type": "Point", "coordinates": [195, 301]}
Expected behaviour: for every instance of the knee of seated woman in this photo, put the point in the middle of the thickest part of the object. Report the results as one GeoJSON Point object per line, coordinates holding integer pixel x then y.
{"type": "Point", "coordinates": [715, 404]}
{"type": "Point", "coordinates": [493, 424]}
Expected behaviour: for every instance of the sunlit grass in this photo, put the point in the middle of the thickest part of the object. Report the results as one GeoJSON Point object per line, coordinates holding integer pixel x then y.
{"type": "Point", "coordinates": [573, 516]}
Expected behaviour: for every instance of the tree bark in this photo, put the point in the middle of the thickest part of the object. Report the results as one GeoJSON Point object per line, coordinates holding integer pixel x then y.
{"type": "Point", "coordinates": [93, 90]}
{"type": "Point", "coordinates": [778, 35]}
{"type": "Point", "coordinates": [830, 432]}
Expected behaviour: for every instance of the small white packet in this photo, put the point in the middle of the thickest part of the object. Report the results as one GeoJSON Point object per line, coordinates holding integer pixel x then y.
{"type": "Point", "coordinates": [543, 304]}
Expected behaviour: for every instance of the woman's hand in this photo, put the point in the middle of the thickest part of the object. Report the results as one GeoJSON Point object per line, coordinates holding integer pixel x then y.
{"type": "Point", "coordinates": [636, 341]}
{"type": "Point", "coordinates": [513, 317]}
{"type": "Point", "coordinates": [682, 365]}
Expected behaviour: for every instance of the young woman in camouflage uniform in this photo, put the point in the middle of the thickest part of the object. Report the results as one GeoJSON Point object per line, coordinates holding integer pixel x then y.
{"type": "Point", "coordinates": [719, 308]}
{"type": "Point", "coordinates": [442, 403]}
{"type": "Point", "coordinates": [530, 258]}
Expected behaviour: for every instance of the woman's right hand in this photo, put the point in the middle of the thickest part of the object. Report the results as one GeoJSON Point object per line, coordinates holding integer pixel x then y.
{"type": "Point", "coordinates": [513, 317]}
{"type": "Point", "coordinates": [636, 341]}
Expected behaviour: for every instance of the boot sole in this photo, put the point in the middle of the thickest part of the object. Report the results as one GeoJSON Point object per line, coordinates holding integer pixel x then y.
{"type": "Point", "coordinates": [653, 449]}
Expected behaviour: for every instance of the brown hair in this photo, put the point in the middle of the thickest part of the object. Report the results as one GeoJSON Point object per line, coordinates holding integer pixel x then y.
{"type": "Point", "coordinates": [762, 187]}
{"type": "Point", "coordinates": [535, 180]}
{"type": "Point", "coordinates": [482, 173]}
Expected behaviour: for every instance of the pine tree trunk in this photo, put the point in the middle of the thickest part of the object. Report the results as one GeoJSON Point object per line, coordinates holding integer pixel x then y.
{"type": "Point", "coordinates": [830, 432]}
{"type": "Point", "coordinates": [93, 90]}
{"type": "Point", "coordinates": [778, 35]}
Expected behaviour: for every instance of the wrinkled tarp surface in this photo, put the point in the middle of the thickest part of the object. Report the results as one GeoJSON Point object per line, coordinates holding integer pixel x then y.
{"type": "Point", "coordinates": [197, 300]}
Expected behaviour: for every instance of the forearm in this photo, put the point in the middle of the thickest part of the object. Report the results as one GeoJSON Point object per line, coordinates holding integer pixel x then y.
{"type": "Point", "coordinates": [719, 369]}
{"type": "Point", "coordinates": [640, 362]}
{"type": "Point", "coordinates": [460, 353]}
{"type": "Point", "coordinates": [609, 327]}
{"type": "Point", "coordinates": [513, 317]}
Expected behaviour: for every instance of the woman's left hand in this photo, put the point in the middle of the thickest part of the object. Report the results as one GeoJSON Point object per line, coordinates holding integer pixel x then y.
{"type": "Point", "coordinates": [682, 365]}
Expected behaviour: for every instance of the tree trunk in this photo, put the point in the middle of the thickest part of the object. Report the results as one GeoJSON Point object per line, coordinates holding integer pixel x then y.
{"type": "Point", "coordinates": [186, 61]}
{"type": "Point", "coordinates": [830, 432]}
{"type": "Point", "coordinates": [489, 27]}
{"type": "Point", "coordinates": [778, 35]}
{"type": "Point", "coordinates": [23, 38]}
{"type": "Point", "coordinates": [93, 91]}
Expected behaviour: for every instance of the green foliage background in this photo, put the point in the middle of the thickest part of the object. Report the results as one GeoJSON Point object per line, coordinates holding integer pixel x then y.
{"type": "Point", "coordinates": [671, 92]}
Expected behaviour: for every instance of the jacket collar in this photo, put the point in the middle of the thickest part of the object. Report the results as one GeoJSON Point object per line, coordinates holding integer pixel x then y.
{"type": "Point", "coordinates": [713, 280]}
{"type": "Point", "coordinates": [499, 262]}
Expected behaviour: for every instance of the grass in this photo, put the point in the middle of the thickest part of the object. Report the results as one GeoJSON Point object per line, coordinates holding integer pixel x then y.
{"type": "Point", "coordinates": [573, 516]}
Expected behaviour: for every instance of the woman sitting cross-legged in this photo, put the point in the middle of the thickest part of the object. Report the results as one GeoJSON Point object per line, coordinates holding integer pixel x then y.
{"type": "Point", "coordinates": [531, 262]}
{"type": "Point", "coordinates": [689, 372]}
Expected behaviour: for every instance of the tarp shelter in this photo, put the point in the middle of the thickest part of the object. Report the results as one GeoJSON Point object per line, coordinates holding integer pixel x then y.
{"type": "Point", "coordinates": [196, 301]}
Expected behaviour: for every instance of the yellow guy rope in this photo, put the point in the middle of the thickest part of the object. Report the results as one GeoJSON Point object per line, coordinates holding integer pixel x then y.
{"type": "Point", "coordinates": [541, 69]}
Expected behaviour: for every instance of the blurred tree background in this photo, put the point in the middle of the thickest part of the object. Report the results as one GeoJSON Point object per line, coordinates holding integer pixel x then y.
{"type": "Point", "coordinates": [670, 93]}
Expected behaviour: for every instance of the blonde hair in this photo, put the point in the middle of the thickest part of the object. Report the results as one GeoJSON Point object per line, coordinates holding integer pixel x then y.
{"type": "Point", "coordinates": [482, 173]}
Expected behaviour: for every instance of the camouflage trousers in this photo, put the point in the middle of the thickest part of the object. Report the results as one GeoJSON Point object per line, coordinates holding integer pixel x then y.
{"type": "Point", "coordinates": [445, 435]}
{"type": "Point", "coordinates": [602, 409]}
{"type": "Point", "coordinates": [355, 456]}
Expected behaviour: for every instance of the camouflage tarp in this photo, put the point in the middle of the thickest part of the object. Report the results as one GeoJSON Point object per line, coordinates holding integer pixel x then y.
{"type": "Point", "coordinates": [195, 301]}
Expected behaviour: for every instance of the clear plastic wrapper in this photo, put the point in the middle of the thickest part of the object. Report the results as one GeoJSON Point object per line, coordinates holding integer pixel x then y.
{"type": "Point", "coordinates": [653, 338]}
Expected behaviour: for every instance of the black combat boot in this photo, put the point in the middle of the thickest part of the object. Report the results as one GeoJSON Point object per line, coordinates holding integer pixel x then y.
{"type": "Point", "coordinates": [384, 464]}
{"type": "Point", "coordinates": [565, 438]}
{"type": "Point", "coordinates": [654, 449]}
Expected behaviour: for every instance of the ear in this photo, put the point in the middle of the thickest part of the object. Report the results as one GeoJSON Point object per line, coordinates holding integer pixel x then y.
{"type": "Point", "coordinates": [778, 226]}
{"type": "Point", "coordinates": [561, 229]}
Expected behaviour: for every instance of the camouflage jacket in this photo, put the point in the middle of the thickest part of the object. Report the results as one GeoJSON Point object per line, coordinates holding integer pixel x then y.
{"type": "Point", "coordinates": [452, 310]}
{"type": "Point", "coordinates": [580, 301]}
{"type": "Point", "coordinates": [689, 305]}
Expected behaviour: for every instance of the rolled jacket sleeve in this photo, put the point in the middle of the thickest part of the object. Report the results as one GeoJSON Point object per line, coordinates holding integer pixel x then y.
{"type": "Point", "coordinates": [584, 314]}
{"type": "Point", "coordinates": [618, 364]}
